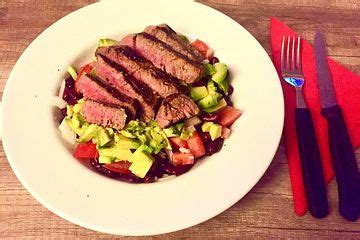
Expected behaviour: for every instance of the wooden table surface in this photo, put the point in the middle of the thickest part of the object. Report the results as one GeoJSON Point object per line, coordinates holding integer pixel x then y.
{"type": "Point", "coordinates": [267, 210]}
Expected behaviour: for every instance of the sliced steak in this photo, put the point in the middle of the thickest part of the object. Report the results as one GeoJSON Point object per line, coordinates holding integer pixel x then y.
{"type": "Point", "coordinates": [96, 89]}
{"type": "Point", "coordinates": [175, 108]}
{"type": "Point", "coordinates": [160, 82]}
{"type": "Point", "coordinates": [117, 77]}
{"type": "Point", "coordinates": [166, 34]}
{"type": "Point", "coordinates": [164, 57]}
{"type": "Point", "coordinates": [106, 115]}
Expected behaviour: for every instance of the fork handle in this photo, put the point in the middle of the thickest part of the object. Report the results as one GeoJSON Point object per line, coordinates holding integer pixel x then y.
{"type": "Point", "coordinates": [313, 177]}
{"type": "Point", "coordinates": [344, 162]}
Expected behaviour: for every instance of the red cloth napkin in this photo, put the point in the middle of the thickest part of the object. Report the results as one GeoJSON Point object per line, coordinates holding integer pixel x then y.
{"type": "Point", "coordinates": [347, 88]}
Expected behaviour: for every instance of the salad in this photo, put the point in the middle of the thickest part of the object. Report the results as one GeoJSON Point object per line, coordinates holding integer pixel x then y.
{"type": "Point", "coordinates": [140, 133]}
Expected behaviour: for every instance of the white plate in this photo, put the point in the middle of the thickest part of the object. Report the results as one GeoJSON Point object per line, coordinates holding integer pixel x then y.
{"type": "Point", "coordinates": [46, 168]}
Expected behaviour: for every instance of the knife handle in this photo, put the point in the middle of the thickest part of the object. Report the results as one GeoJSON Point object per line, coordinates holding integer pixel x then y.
{"type": "Point", "coordinates": [311, 165]}
{"type": "Point", "coordinates": [344, 162]}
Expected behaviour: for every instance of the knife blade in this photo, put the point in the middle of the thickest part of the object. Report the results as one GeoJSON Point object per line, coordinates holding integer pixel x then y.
{"type": "Point", "coordinates": [326, 88]}
{"type": "Point", "coordinates": [342, 154]}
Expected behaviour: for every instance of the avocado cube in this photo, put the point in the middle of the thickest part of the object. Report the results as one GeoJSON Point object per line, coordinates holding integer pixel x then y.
{"type": "Point", "coordinates": [103, 137]}
{"type": "Point", "coordinates": [118, 153]}
{"type": "Point", "coordinates": [185, 135]}
{"type": "Point", "coordinates": [221, 72]}
{"type": "Point", "coordinates": [210, 69]}
{"type": "Point", "coordinates": [224, 86]}
{"type": "Point", "coordinates": [141, 161]}
{"type": "Point", "coordinates": [209, 101]}
{"type": "Point", "coordinates": [75, 125]}
{"type": "Point", "coordinates": [125, 142]}
{"type": "Point", "coordinates": [171, 131]}
{"type": "Point", "coordinates": [211, 87]}
{"type": "Point", "coordinates": [221, 104]}
{"type": "Point", "coordinates": [81, 130]}
{"type": "Point", "coordinates": [105, 160]}
{"type": "Point", "coordinates": [141, 167]}
{"type": "Point", "coordinates": [198, 93]}
{"type": "Point", "coordinates": [217, 95]}
{"type": "Point", "coordinates": [206, 126]}
{"type": "Point", "coordinates": [215, 131]}
{"type": "Point", "coordinates": [89, 133]}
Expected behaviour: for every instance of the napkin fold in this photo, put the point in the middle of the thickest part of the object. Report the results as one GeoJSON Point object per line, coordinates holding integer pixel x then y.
{"type": "Point", "coordinates": [347, 89]}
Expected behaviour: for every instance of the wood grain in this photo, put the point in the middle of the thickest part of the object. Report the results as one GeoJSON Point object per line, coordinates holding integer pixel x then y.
{"type": "Point", "coordinates": [267, 210]}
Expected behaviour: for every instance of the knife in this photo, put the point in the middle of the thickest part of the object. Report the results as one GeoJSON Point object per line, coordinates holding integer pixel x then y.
{"type": "Point", "coordinates": [342, 154]}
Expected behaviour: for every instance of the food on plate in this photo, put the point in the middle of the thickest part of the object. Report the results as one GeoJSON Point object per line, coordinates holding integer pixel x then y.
{"type": "Point", "coordinates": [92, 87]}
{"type": "Point", "coordinates": [167, 35]}
{"type": "Point", "coordinates": [130, 86]}
{"type": "Point", "coordinates": [142, 69]}
{"type": "Point", "coordinates": [175, 108]}
{"type": "Point", "coordinates": [103, 114]}
{"type": "Point", "coordinates": [164, 57]}
{"type": "Point", "coordinates": [149, 105]}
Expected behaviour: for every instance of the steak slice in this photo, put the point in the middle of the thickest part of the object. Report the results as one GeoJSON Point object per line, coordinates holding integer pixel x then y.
{"type": "Point", "coordinates": [166, 34]}
{"type": "Point", "coordinates": [160, 82]}
{"type": "Point", "coordinates": [106, 115]}
{"type": "Point", "coordinates": [95, 89]}
{"type": "Point", "coordinates": [117, 77]}
{"type": "Point", "coordinates": [164, 57]}
{"type": "Point", "coordinates": [175, 108]}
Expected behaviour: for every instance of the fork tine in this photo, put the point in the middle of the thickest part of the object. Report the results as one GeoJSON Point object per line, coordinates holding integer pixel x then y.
{"type": "Point", "coordinates": [293, 67]}
{"type": "Point", "coordinates": [288, 53]}
{"type": "Point", "coordinates": [282, 54]}
{"type": "Point", "coordinates": [298, 54]}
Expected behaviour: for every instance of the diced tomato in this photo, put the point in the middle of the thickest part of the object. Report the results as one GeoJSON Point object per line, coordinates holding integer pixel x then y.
{"type": "Point", "coordinates": [120, 167]}
{"type": "Point", "coordinates": [86, 69]}
{"type": "Point", "coordinates": [182, 158]}
{"type": "Point", "coordinates": [200, 46]}
{"type": "Point", "coordinates": [177, 143]}
{"type": "Point", "coordinates": [196, 145]}
{"type": "Point", "coordinates": [228, 116]}
{"type": "Point", "coordinates": [225, 132]}
{"type": "Point", "coordinates": [85, 150]}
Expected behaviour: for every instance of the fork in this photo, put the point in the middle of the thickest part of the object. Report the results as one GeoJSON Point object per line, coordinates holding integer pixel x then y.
{"type": "Point", "coordinates": [308, 148]}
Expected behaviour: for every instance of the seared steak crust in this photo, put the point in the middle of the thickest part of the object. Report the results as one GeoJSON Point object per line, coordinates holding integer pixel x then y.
{"type": "Point", "coordinates": [164, 57]}
{"type": "Point", "coordinates": [160, 82]}
{"type": "Point", "coordinates": [118, 78]}
{"type": "Point", "coordinates": [167, 35]}
{"type": "Point", "coordinates": [175, 108]}
{"type": "Point", "coordinates": [96, 89]}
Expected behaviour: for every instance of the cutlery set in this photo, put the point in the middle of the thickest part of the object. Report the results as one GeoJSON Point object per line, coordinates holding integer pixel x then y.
{"type": "Point", "coordinates": [342, 155]}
